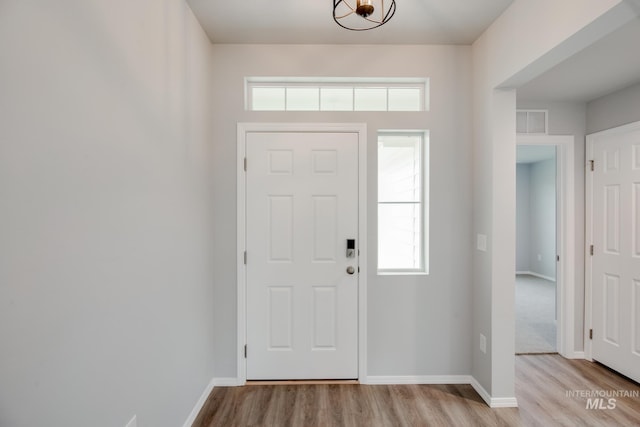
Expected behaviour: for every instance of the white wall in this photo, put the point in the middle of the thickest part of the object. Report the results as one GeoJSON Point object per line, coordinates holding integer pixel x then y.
{"type": "Point", "coordinates": [543, 218]}
{"type": "Point", "coordinates": [523, 217]}
{"type": "Point", "coordinates": [536, 217]}
{"type": "Point", "coordinates": [106, 239]}
{"type": "Point", "coordinates": [616, 109]}
{"type": "Point", "coordinates": [418, 325]}
{"type": "Point", "coordinates": [511, 52]}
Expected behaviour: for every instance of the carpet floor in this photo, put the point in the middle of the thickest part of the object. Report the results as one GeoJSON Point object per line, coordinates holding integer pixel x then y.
{"type": "Point", "coordinates": [535, 315]}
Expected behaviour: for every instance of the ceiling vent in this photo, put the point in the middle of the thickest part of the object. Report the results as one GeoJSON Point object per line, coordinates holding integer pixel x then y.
{"type": "Point", "coordinates": [531, 121]}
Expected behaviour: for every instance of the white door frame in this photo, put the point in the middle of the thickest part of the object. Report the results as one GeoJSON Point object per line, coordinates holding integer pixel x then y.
{"type": "Point", "coordinates": [565, 231]}
{"type": "Point", "coordinates": [588, 238]}
{"type": "Point", "coordinates": [242, 130]}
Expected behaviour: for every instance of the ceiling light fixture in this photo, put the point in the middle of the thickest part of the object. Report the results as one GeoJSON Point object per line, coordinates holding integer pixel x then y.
{"type": "Point", "coordinates": [364, 15]}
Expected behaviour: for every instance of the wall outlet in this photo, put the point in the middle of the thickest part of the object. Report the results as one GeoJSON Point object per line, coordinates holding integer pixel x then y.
{"type": "Point", "coordinates": [481, 242]}
{"type": "Point", "coordinates": [133, 422]}
{"type": "Point", "coordinates": [539, 257]}
{"type": "Point", "coordinates": [483, 344]}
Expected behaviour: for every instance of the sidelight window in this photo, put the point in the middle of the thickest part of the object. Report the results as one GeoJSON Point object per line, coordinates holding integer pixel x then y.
{"type": "Point", "coordinates": [403, 202]}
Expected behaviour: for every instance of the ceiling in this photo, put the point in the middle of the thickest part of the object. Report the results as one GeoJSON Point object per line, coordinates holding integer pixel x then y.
{"type": "Point", "coordinates": [606, 66]}
{"type": "Point", "coordinates": [610, 64]}
{"type": "Point", "coordinates": [311, 22]}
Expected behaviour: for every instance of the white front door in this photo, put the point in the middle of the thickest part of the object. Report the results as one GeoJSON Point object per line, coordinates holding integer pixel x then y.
{"type": "Point", "coordinates": [616, 251]}
{"type": "Point", "coordinates": [302, 286]}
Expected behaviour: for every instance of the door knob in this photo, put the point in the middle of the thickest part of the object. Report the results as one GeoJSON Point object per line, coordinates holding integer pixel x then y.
{"type": "Point", "coordinates": [351, 270]}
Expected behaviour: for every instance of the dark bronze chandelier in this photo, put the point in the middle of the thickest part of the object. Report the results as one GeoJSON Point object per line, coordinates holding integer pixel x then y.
{"type": "Point", "coordinates": [361, 15]}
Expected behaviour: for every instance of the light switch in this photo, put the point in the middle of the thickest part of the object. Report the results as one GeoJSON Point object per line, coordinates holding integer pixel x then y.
{"type": "Point", "coordinates": [482, 242]}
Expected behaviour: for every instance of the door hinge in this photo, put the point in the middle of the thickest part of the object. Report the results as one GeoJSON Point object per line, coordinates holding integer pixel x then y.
{"type": "Point", "coordinates": [245, 257]}
{"type": "Point", "coordinates": [245, 164]}
{"type": "Point", "coordinates": [591, 250]}
{"type": "Point", "coordinates": [592, 165]}
{"type": "Point", "coordinates": [590, 334]}
{"type": "Point", "coordinates": [558, 258]}
{"type": "Point", "coordinates": [245, 351]}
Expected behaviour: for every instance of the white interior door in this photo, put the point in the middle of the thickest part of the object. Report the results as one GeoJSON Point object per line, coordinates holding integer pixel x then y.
{"type": "Point", "coordinates": [616, 251]}
{"type": "Point", "coordinates": [301, 208]}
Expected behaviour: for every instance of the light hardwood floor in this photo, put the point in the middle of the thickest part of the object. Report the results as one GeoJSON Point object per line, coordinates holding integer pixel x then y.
{"type": "Point", "coordinates": [544, 384]}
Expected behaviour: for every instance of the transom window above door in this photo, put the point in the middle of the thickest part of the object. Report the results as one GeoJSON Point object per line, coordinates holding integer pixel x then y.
{"type": "Point", "coordinates": [336, 94]}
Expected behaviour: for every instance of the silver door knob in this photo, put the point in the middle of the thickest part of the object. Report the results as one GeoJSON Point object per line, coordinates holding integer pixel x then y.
{"type": "Point", "coordinates": [351, 270]}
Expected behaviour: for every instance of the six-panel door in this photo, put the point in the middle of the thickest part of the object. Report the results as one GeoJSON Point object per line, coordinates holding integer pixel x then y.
{"type": "Point", "coordinates": [302, 304]}
{"type": "Point", "coordinates": [616, 257]}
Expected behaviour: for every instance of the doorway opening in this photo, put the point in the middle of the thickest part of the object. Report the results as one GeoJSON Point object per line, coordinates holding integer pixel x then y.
{"type": "Point", "coordinates": [536, 249]}
{"type": "Point", "coordinates": [550, 252]}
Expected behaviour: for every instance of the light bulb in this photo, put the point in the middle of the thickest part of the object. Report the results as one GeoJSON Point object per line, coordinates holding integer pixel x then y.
{"type": "Point", "coordinates": [364, 8]}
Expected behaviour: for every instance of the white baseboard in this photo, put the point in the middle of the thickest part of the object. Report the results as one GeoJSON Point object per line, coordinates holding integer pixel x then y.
{"type": "Point", "coordinates": [493, 402]}
{"type": "Point", "coordinates": [417, 379]}
{"type": "Point", "coordinates": [481, 391]}
{"type": "Point", "coordinates": [575, 355]}
{"type": "Point", "coordinates": [227, 382]}
{"type": "Point", "coordinates": [504, 402]}
{"type": "Point", "coordinates": [541, 276]}
{"type": "Point", "coordinates": [196, 409]}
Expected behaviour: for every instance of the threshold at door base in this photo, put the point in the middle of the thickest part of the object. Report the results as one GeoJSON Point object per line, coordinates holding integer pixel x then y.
{"type": "Point", "coordinates": [302, 382]}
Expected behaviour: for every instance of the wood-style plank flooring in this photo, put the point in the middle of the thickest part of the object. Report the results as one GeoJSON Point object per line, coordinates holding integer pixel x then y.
{"type": "Point", "coordinates": [543, 387]}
